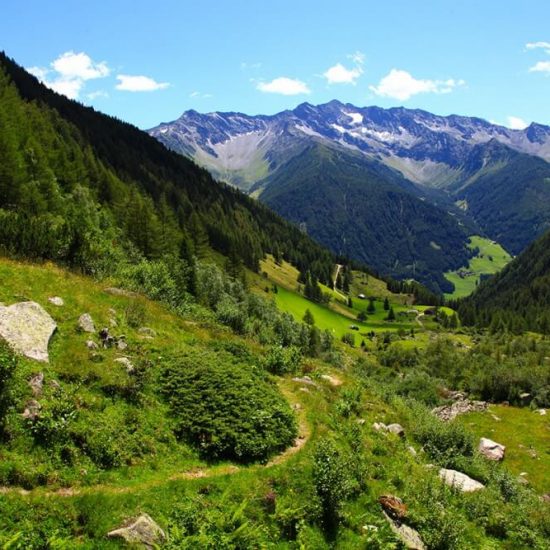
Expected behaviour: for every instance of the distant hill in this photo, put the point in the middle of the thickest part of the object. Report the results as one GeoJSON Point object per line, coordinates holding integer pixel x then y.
{"type": "Point", "coordinates": [518, 298]}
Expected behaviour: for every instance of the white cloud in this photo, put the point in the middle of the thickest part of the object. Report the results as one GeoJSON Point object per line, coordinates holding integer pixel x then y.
{"type": "Point", "coordinates": [538, 46]}
{"type": "Point", "coordinates": [129, 83]}
{"type": "Point", "coordinates": [199, 95]}
{"type": "Point", "coordinates": [516, 123]}
{"type": "Point", "coordinates": [284, 86]}
{"type": "Point", "coordinates": [338, 74]}
{"type": "Point", "coordinates": [358, 57]}
{"type": "Point", "coordinates": [72, 65]}
{"type": "Point", "coordinates": [540, 67]}
{"type": "Point", "coordinates": [69, 72]}
{"type": "Point", "coordinates": [401, 85]}
{"type": "Point", "coordinates": [245, 66]}
{"type": "Point", "coordinates": [96, 94]}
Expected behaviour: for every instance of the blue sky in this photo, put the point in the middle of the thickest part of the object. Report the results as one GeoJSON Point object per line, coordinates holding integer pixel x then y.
{"type": "Point", "coordinates": [147, 62]}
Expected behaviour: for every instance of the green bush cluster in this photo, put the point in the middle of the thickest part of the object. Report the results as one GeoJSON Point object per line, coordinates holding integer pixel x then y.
{"type": "Point", "coordinates": [226, 409]}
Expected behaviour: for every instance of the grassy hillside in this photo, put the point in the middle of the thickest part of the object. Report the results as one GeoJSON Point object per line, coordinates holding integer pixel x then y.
{"type": "Point", "coordinates": [107, 444]}
{"type": "Point", "coordinates": [489, 259]}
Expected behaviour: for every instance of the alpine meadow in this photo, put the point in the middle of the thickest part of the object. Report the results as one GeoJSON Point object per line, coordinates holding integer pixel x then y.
{"type": "Point", "coordinates": [262, 288]}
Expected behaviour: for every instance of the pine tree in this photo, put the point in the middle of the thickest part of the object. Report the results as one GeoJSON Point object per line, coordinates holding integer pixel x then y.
{"type": "Point", "coordinates": [371, 308]}
{"type": "Point", "coordinates": [308, 318]}
{"type": "Point", "coordinates": [386, 304]}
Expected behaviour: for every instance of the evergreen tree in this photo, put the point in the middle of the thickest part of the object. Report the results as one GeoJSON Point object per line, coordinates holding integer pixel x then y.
{"type": "Point", "coordinates": [308, 318]}
{"type": "Point", "coordinates": [371, 308]}
{"type": "Point", "coordinates": [386, 304]}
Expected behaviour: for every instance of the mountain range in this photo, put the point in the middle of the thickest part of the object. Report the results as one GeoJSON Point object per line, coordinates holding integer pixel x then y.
{"type": "Point", "coordinates": [455, 176]}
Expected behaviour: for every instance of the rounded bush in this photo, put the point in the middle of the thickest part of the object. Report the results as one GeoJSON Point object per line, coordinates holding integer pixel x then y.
{"type": "Point", "coordinates": [227, 410]}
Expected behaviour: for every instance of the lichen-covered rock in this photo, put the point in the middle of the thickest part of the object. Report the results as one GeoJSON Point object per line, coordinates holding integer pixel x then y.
{"type": "Point", "coordinates": [36, 383]}
{"type": "Point", "coordinates": [32, 410]}
{"type": "Point", "coordinates": [460, 481]}
{"type": "Point", "coordinates": [27, 328]}
{"type": "Point", "coordinates": [491, 449]}
{"type": "Point", "coordinates": [143, 530]}
{"type": "Point", "coordinates": [86, 323]}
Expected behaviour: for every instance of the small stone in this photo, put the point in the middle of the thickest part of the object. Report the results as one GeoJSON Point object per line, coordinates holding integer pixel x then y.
{"type": "Point", "coordinates": [36, 383]}
{"type": "Point", "coordinates": [32, 410]}
{"type": "Point", "coordinates": [146, 331]}
{"type": "Point", "coordinates": [396, 429]}
{"type": "Point", "coordinates": [491, 449]}
{"type": "Point", "coordinates": [143, 530]}
{"type": "Point", "coordinates": [361, 421]}
{"type": "Point", "coordinates": [56, 301]}
{"type": "Point", "coordinates": [126, 363]}
{"type": "Point", "coordinates": [90, 344]}
{"type": "Point", "coordinates": [121, 345]}
{"type": "Point", "coordinates": [412, 451]}
{"type": "Point", "coordinates": [542, 412]}
{"type": "Point", "coordinates": [86, 323]}
{"type": "Point", "coordinates": [379, 426]}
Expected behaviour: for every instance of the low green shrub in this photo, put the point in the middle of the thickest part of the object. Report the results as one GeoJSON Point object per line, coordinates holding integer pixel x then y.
{"type": "Point", "coordinates": [226, 410]}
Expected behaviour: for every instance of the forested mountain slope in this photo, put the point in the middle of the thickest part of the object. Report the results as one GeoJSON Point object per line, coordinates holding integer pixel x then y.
{"type": "Point", "coordinates": [518, 298]}
{"type": "Point", "coordinates": [83, 188]}
{"type": "Point", "coordinates": [365, 211]}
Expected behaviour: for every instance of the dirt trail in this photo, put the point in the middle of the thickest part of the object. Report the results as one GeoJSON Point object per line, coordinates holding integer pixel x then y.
{"type": "Point", "coordinates": [304, 433]}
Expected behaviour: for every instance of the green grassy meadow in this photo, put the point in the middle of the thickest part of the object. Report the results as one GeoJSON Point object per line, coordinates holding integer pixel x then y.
{"type": "Point", "coordinates": [524, 433]}
{"type": "Point", "coordinates": [490, 259]}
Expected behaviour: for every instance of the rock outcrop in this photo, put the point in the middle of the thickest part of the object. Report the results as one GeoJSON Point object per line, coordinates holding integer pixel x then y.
{"type": "Point", "coordinates": [27, 328]}
{"type": "Point", "coordinates": [143, 530]}
{"type": "Point", "coordinates": [460, 481]}
{"type": "Point", "coordinates": [491, 449]}
{"type": "Point", "coordinates": [462, 406]}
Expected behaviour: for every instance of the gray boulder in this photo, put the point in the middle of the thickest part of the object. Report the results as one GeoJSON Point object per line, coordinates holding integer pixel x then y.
{"type": "Point", "coordinates": [491, 449]}
{"type": "Point", "coordinates": [27, 328]}
{"type": "Point", "coordinates": [408, 536]}
{"type": "Point", "coordinates": [143, 530]}
{"type": "Point", "coordinates": [460, 481]}
{"type": "Point", "coordinates": [86, 323]}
